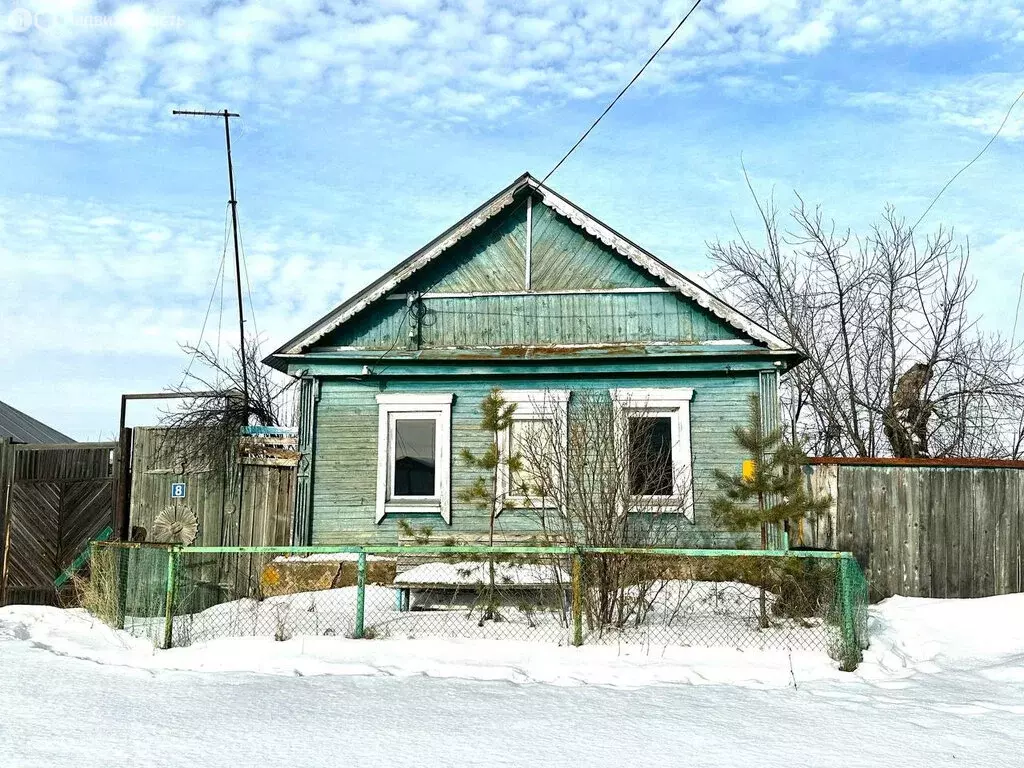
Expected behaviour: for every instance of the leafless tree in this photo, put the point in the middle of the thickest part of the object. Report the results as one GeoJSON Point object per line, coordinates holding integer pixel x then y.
{"type": "Point", "coordinates": [598, 478]}
{"type": "Point", "coordinates": [896, 363]}
{"type": "Point", "coordinates": [204, 431]}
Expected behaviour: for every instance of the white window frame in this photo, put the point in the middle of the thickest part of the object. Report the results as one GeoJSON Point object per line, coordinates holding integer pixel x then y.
{"type": "Point", "coordinates": [531, 405]}
{"type": "Point", "coordinates": [673, 402]}
{"type": "Point", "coordinates": [436, 406]}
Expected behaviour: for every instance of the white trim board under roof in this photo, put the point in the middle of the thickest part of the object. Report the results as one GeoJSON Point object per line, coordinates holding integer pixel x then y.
{"type": "Point", "coordinates": [647, 261]}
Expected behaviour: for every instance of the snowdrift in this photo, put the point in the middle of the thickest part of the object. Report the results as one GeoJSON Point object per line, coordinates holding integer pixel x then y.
{"type": "Point", "coordinates": [910, 637]}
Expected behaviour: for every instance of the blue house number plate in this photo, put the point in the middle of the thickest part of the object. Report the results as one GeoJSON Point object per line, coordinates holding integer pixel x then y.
{"type": "Point", "coordinates": [177, 490]}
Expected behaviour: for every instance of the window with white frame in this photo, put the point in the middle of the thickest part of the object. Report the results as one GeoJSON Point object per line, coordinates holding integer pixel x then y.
{"type": "Point", "coordinates": [654, 429]}
{"type": "Point", "coordinates": [414, 454]}
{"type": "Point", "coordinates": [538, 432]}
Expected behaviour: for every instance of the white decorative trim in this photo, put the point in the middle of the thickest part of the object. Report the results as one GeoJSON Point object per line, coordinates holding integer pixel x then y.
{"type": "Point", "coordinates": [415, 398]}
{"type": "Point", "coordinates": [532, 405]}
{"type": "Point", "coordinates": [437, 406]}
{"type": "Point", "coordinates": [674, 403]}
{"type": "Point", "coordinates": [660, 269]}
{"type": "Point", "coordinates": [568, 210]}
{"type": "Point", "coordinates": [538, 401]}
{"type": "Point", "coordinates": [413, 264]}
{"type": "Point", "coordinates": [653, 397]}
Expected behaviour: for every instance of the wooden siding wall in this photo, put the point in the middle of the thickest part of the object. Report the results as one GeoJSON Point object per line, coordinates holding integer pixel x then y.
{"type": "Point", "coordinates": [302, 530]}
{"type": "Point", "coordinates": [57, 499]}
{"type": "Point", "coordinates": [491, 259]}
{"type": "Point", "coordinates": [590, 318]}
{"type": "Point", "coordinates": [770, 419]}
{"type": "Point", "coordinates": [925, 531]}
{"type": "Point", "coordinates": [564, 258]}
{"type": "Point", "coordinates": [346, 452]}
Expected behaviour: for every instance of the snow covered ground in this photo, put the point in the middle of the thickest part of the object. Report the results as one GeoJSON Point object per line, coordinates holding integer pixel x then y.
{"type": "Point", "coordinates": [680, 612]}
{"type": "Point", "coordinates": [943, 684]}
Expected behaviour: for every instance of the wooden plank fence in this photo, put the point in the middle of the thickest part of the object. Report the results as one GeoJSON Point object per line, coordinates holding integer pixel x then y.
{"type": "Point", "coordinates": [924, 529]}
{"type": "Point", "coordinates": [245, 501]}
{"type": "Point", "coordinates": [56, 498]}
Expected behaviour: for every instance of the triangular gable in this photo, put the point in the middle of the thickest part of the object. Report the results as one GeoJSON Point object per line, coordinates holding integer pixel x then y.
{"type": "Point", "coordinates": [639, 267]}
{"type": "Point", "coordinates": [564, 256]}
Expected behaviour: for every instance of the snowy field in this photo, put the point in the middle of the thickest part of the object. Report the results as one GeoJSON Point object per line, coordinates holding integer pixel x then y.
{"type": "Point", "coordinates": [942, 685]}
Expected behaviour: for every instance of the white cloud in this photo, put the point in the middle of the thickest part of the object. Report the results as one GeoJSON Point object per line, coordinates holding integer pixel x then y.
{"type": "Point", "coordinates": [976, 103]}
{"type": "Point", "coordinates": [121, 282]}
{"type": "Point", "coordinates": [810, 38]}
{"type": "Point", "coordinates": [115, 283]}
{"type": "Point", "coordinates": [105, 72]}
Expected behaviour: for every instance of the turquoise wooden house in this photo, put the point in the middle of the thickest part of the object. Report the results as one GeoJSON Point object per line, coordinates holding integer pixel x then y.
{"type": "Point", "coordinates": [530, 294]}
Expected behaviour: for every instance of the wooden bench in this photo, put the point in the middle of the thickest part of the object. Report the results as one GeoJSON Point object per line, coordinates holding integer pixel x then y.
{"type": "Point", "coordinates": [455, 579]}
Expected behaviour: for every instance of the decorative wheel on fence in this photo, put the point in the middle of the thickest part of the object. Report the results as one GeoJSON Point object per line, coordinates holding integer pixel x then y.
{"type": "Point", "coordinates": [175, 525]}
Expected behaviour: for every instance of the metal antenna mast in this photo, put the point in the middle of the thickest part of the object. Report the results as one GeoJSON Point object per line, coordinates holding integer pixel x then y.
{"type": "Point", "coordinates": [234, 231]}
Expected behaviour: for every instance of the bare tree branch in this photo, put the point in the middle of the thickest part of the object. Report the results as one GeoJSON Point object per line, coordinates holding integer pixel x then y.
{"type": "Point", "coordinates": [203, 431]}
{"type": "Point", "coordinates": [896, 363]}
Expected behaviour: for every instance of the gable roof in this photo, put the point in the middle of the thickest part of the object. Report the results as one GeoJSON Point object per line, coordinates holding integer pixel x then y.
{"type": "Point", "coordinates": [22, 428]}
{"type": "Point", "coordinates": [647, 261]}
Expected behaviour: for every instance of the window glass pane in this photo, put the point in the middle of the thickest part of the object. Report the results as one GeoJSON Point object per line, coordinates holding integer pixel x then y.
{"type": "Point", "coordinates": [650, 455]}
{"type": "Point", "coordinates": [414, 469]}
{"type": "Point", "coordinates": [525, 441]}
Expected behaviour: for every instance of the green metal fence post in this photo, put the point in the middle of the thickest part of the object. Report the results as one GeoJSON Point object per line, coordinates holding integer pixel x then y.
{"type": "Point", "coordinates": [360, 596]}
{"type": "Point", "coordinates": [172, 565]}
{"type": "Point", "coordinates": [120, 560]}
{"type": "Point", "coordinates": [851, 645]}
{"type": "Point", "coordinates": [577, 600]}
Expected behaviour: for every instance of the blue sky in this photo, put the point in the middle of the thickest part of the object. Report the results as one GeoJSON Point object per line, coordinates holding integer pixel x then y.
{"type": "Point", "coordinates": [367, 128]}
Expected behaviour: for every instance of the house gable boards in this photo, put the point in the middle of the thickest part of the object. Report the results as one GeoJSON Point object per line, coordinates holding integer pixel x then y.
{"type": "Point", "coordinates": [580, 292]}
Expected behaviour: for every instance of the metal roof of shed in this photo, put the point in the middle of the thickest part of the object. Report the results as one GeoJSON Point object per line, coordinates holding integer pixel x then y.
{"type": "Point", "coordinates": [22, 428]}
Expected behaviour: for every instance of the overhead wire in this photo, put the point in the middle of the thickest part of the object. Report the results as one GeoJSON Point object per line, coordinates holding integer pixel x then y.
{"type": "Point", "coordinates": [954, 177]}
{"type": "Point", "coordinates": [248, 287]}
{"type": "Point", "coordinates": [220, 317]}
{"type": "Point", "coordinates": [621, 93]}
{"type": "Point", "coordinates": [972, 161]}
{"type": "Point", "coordinates": [218, 278]}
{"type": "Point", "coordinates": [575, 145]}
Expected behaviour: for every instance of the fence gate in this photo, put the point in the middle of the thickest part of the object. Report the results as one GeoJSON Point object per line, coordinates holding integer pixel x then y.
{"type": "Point", "coordinates": [56, 499]}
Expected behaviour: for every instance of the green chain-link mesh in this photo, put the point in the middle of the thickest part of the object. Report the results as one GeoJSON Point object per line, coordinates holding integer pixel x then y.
{"type": "Point", "coordinates": [763, 600]}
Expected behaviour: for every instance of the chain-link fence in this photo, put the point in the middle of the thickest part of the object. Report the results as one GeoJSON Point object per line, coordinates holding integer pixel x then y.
{"type": "Point", "coordinates": [178, 596]}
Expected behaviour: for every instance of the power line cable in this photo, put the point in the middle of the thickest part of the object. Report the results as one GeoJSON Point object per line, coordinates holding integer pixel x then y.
{"type": "Point", "coordinates": [248, 287]}
{"type": "Point", "coordinates": [572, 149]}
{"type": "Point", "coordinates": [202, 331]}
{"type": "Point", "coordinates": [220, 317]}
{"type": "Point", "coordinates": [973, 160]}
{"type": "Point", "coordinates": [621, 93]}
{"type": "Point", "coordinates": [1016, 311]}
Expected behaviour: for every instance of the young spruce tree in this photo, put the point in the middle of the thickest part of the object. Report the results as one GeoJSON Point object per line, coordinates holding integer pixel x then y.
{"type": "Point", "coordinates": [773, 493]}
{"type": "Point", "coordinates": [496, 416]}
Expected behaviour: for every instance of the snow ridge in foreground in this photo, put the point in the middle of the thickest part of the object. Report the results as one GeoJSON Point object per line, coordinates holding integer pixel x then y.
{"type": "Point", "coordinates": [909, 636]}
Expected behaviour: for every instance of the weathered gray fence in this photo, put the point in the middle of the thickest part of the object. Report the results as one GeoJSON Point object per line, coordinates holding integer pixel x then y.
{"type": "Point", "coordinates": [246, 501]}
{"type": "Point", "coordinates": [927, 528]}
{"type": "Point", "coordinates": [54, 499]}
{"type": "Point", "coordinates": [213, 493]}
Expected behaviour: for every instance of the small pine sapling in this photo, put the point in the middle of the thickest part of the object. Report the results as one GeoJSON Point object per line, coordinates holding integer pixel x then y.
{"type": "Point", "coordinates": [496, 417]}
{"type": "Point", "coordinates": [773, 493]}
